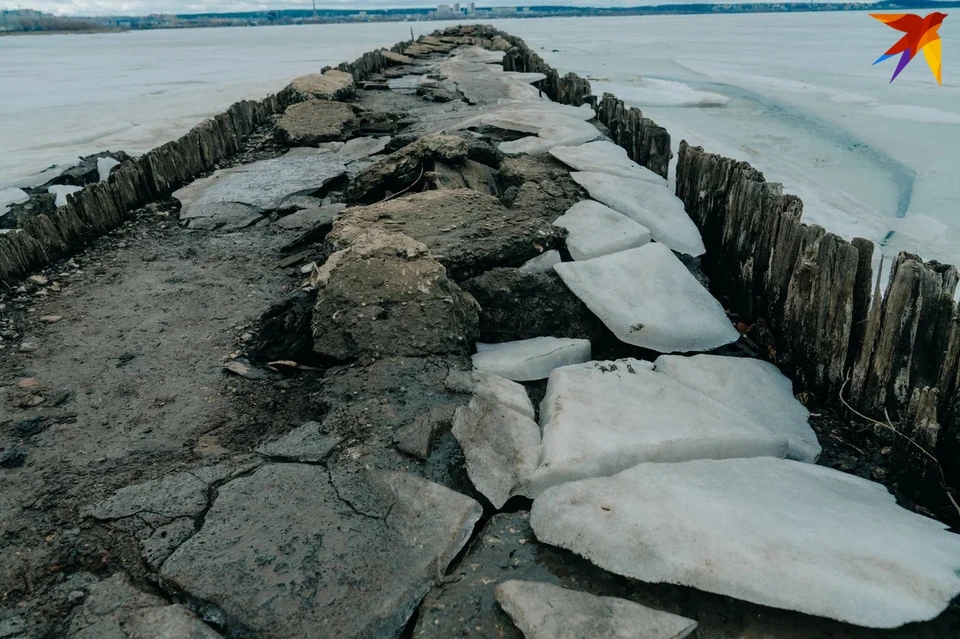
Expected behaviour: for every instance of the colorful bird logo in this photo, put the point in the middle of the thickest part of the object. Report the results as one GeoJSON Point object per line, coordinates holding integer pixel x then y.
{"type": "Point", "coordinates": [921, 35]}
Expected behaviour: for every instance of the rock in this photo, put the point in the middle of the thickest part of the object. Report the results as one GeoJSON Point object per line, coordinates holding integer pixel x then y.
{"type": "Point", "coordinates": [39, 280]}
{"type": "Point", "coordinates": [530, 359]}
{"type": "Point", "coordinates": [416, 438]}
{"type": "Point", "coordinates": [774, 532]}
{"type": "Point", "coordinates": [314, 121]}
{"type": "Point", "coordinates": [469, 175]}
{"type": "Point", "coordinates": [405, 167]}
{"type": "Point", "coordinates": [311, 217]}
{"type": "Point", "coordinates": [545, 611]}
{"type": "Point", "coordinates": [14, 627]}
{"type": "Point", "coordinates": [87, 170]}
{"type": "Point", "coordinates": [466, 231]}
{"type": "Point", "coordinates": [237, 197]}
{"type": "Point", "coordinates": [304, 444]}
{"type": "Point", "coordinates": [542, 263]}
{"type": "Point", "coordinates": [603, 156]}
{"type": "Point", "coordinates": [156, 546]}
{"type": "Point", "coordinates": [515, 306]}
{"type": "Point", "coordinates": [600, 418]}
{"type": "Point", "coordinates": [243, 368]}
{"type": "Point", "coordinates": [594, 230]}
{"type": "Point", "coordinates": [314, 565]}
{"type": "Point", "coordinates": [359, 148]}
{"type": "Point", "coordinates": [29, 347]}
{"type": "Point", "coordinates": [50, 319]}
{"type": "Point", "coordinates": [330, 85]}
{"type": "Point", "coordinates": [652, 205]}
{"type": "Point", "coordinates": [283, 330]}
{"type": "Point", "coordinates": [755, 389]}
{"type": "Point", "coordinates": [12, 456]}
{"type": "Point", "coordinates": [116, 610]}
{"type": "Point", "coordinates": [648, 298]}
{"type": "Point", "coordinates": [395, 58]}
{"type": "Point", "coordinates": [500, 444]}
{"type": "Point", "coordinates": [499, 389]}
{"type": "Point", "coordinates": [384, 296]}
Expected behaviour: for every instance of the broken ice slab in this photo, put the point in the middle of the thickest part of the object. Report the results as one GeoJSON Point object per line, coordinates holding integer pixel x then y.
{"type": "Point", "coordinates": [545, 611]}
{"type": "Point", "coordinates": [650, 204]}
{"type": "Point", "coordinates": [774, 532]}
{"type": "Point", "coordinates": [560, 130]}
{"type": "Point", "coordinates": [595, 230]}
{"type": "Point", "coordinates": [503, 390]}
{"type": "Point", "coordinates": [530, 359]}
{"type": "Point", "coordinates": [542, 263]}
{"type": "Point", "coordinates": [600, 418]}
{"type": "Point", "coordinates": [603, 156]}
{"type": "Point", "coordinates": [752, 388]}
{"type": "Point", "coordinates": [648, 298]}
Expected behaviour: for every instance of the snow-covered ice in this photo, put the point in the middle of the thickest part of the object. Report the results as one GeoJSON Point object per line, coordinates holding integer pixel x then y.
{"type": "Point", "coordinates": [61, 191]}
{"type": "Point", "coordinates": [511, 394]}
{"type": "Point", "coordinates": [104, 166]}
{"type": "Point", "coordinates": [648, 298]}
{"type": "Point", "coordinates": [500, 444]}
{"type": "Point", "coordinates": [541, 263]}
{"type": "Point", "coordinates": [600, 418]}
{"type": "Point", "coordinates": [603, 156]}
{"type": "Point", "coordinates": [545, 611]}
{"type": "Point", "coordinates": [755, 389]}
{"type": "Point", "coordinates": [652, 205]}
{"type": "Point", "coordinates": [558, 130]}
{"type": "Point", "coordinates": [775, 532]}
{"type": "Point", "coordinates": [595, 230]}
{"type": "Point", "coordinates": [530, 359]}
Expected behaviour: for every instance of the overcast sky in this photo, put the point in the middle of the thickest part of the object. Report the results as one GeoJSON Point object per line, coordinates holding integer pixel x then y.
{"type": "Point", "coordinates": [142, 7]}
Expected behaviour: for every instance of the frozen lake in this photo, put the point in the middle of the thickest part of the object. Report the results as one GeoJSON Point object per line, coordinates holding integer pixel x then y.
{"type": "Point", "coordinates": [794, 94]}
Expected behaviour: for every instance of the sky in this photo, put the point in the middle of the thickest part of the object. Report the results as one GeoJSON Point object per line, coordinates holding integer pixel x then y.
{"type": "Point", "coordinates": [144, 7]}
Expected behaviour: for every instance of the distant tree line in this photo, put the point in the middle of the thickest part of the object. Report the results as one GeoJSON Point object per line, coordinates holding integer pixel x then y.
{"type": "Point", "coordinates": [29, 21]}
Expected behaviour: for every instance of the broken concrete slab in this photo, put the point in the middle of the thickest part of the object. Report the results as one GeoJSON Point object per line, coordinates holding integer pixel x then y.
{"type": "Point", "coordinates": [330, 85]}
{"type": "Point", "coordinates": [603, 156]}
{"type": "Point", "coordinates": [239, 196]}
{"type": "Point", "coordinates": [303, 444]}
{"type": "Point", "coordinates": [595, 230]}
{"type": "Point", "coordinates": [652, 205]}
{"type": "Point", "coordinates": [530, 359]}
{"type": "Point", "coordinates": [501, 445]}
{"type": "Point", "coordinates": [362, 147]}
{"type": "Point", "coordinates": [314, 121]}
{"type": "Point", "coordinates": [752, 388]}
{"type": "Point", "coordinates": [648, 298]}
{"type": "Point", "coordinates": [600, 418]}
{"type": "Point", "coordinates": [385, 296]}
{"type": "Point", "coordinates": [542, 263]}
{"type": "Point", "coordinates": [311, 217]}
{"type": "Point", "coordinates": [466, 231]}
{"type": "Point", "coordinates": [416, 438]}
{"type": "Point", "coordinates": [314, 565]}
{"type": "Point", "coordinates": [545, 611]}
{"type": "Point", "coordinates": [775, 532]}
{"type": "Point", "coordinates": [114, 609]}
{"type": "Point", "coordinates": [395, 58]}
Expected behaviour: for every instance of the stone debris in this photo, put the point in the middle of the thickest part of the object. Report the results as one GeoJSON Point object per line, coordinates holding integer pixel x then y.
{"type": "Point", "coordinates": [530, 359]}
{"type": "Point", "coordinates": [545, 611]}
{"type": "Point", "coordinates": [312, 217]}
{"type": "Point", "coordinates": [652, 205]}
{"type": "Point", "coordinates": [600, 418]}
{"type": "Point", "coordinates": [755, 389]}
{"type": "Point", "coordinates": [775, 532]}
{"type": "Point", "coordinates": [603, 156]}
{"type": "Point", "coordinates": [542, 263]}
{"type": "Point", "coordinates": [501, 445]}
{"type": "Point", "coordinates": [303, 444]}
{"type": "Point", "coordinates": [359, 148]}
{"type": "Point", "coordinates": [114, 609]}
{"type": "Point", "coordinates": [314, 121]}
{"type": "Point", "coordinates": [330, 85]}
{"type": "Point", "coordinates": [384, 295]}
{"type": "Point", "coordinates": [237, 197]}
{"type": "Point", "coordinates": [396, 58]}
{"type": "Point", "coordinates": [648, 298]}
{"type": "Point", "coordinates": [594, 230]}
{"type": "Point", "coordinates": [282, 554]}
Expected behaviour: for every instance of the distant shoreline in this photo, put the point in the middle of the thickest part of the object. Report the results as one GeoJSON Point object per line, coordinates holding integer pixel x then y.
{"type": "Point", "coordinates": [284, 17]}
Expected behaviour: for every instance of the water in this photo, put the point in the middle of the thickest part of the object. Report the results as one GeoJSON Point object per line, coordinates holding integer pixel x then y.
{"type": "Point", "coordinates": [794, 94]}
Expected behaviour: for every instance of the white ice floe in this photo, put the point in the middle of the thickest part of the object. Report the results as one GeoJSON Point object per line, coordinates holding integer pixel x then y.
{"type": "Point", "coordinates": [603, 156]}
{"type": "Point", "coordinates": [541, 263]}
{"type": "Point", "coordinates": [104, 166]}
{"type": "Point", "coordinates": [511, 394]}
{"type": "Point", "coordinates": [595, 230]}
{"type": "Point", "coordinates": [775, 532]}
{"type": "Point", "coordinates": [648, 298]}
{"type": "Point", "coordinates": [11, 196]}
{"type": "Point", "coordinates": [651, 205]}
{"type": "Point", "coordinates": [755, 389]}
{"type": "Point", "coordinates": [652, 92]}
{"type": "Point", "coordinates": [530, 359]}
{"type": "Point", "coordinates": [561, 131]}
{"type": "Point", "coordinates": [62, 191]}
{"type": "Point", "coordinates": [600, 418]}
{"type": "Point", "coordinates": [500, 444]}
{"type": "Point", "coordinates": [545, 611]}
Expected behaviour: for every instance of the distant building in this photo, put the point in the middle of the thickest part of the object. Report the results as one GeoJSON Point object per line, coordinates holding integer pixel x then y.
{"type": "Point", "coordinates": [456, 7]}
{"type": "Point", "coordinates": [473, 7]}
